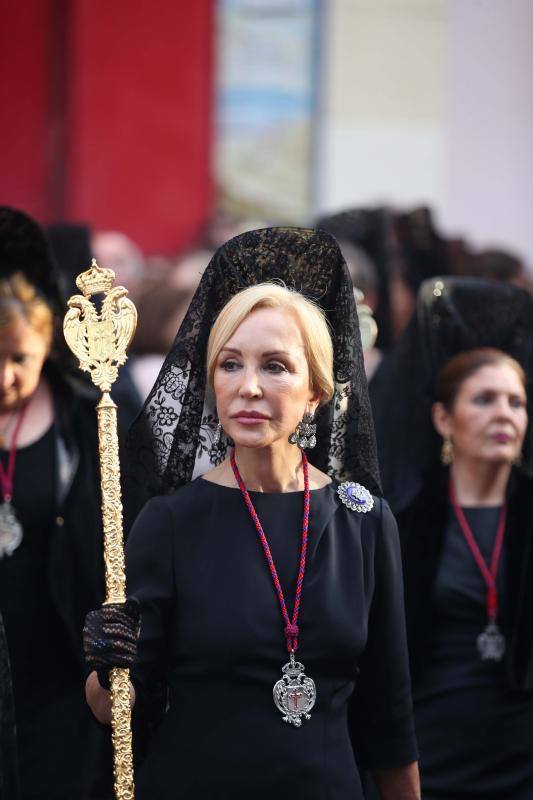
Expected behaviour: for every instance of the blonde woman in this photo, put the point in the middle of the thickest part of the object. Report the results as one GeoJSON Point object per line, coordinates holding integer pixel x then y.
{"type": "Point", "coordinates": [269, 591]}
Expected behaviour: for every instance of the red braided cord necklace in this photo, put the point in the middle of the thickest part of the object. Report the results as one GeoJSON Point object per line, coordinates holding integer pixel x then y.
{"type": "Point", "coordinates": [8, 473]}
{"type": "Point", "coordinates": [295, 693]}
{"type": "Point", "coordinates": [10, 528]}
{"type": "Point", "coordinates": [491, 643]}
{"type": "Point", "coordinates": [291, 629]}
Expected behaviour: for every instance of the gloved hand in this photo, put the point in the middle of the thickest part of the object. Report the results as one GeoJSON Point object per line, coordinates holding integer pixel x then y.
{"type": "Point", "coordinates": [110, 637]}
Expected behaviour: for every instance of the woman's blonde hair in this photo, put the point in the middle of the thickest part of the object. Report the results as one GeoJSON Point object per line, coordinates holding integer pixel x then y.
{"type": "Point", "coordinates": [19, 301]}
{"type": "Point", "coordinates": [313, 325]}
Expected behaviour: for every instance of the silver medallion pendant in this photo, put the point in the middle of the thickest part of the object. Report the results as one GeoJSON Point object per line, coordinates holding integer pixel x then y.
{"type": "Point", "coordinates": [294, 693]}
{"type": "Point", "coordinates": [10, 530]}
{"type": "Point", "coordinates": [491, 643]}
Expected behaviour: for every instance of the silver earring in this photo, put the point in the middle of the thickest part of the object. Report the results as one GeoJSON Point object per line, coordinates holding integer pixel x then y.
{"type": "Point", "coordinates": [218, 433]}
{"type": "Point", "coordinates": [305, 434]}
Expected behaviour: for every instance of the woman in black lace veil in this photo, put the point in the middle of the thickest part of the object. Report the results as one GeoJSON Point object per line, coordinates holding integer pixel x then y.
{"type": "Point", "coordinates": [452, 315]}
{"type": "Point", "coordinates": [473, 706]}
{"type": "Point", "coordinates": [172, 441]}
{"type": "Point", "coordinates": [211, 633]}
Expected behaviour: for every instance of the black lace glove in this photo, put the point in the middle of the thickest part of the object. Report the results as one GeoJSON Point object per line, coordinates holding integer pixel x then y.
{"type": "Point", "coordinates": [110, 637]}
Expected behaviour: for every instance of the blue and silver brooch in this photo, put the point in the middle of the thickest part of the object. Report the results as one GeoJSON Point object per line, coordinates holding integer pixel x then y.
{"type": "Point", "coordinates": [356, 497]}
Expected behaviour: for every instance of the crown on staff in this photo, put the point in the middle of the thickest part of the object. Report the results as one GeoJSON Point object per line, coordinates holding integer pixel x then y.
{"type": "Point", "coordinates": [95, 280]}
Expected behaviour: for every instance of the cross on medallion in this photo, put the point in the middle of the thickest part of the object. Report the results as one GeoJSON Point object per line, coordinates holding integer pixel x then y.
{"type": "Point", "coordinates": [295, 695]}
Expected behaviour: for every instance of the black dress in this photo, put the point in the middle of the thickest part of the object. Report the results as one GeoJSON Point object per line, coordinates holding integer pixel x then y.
{"type": "Point", "coordinates": [474, 719]}
{"type": "Point", "coordinates": [474, 731]}
{"type": "Point", "coordinates": [212, 637]}
{"type": "Point", "coordinates": [9, 788]}
{"type": "Point", "coordinates": [50, 710]}
{"type": "Point", "coordinates": [46, 588]}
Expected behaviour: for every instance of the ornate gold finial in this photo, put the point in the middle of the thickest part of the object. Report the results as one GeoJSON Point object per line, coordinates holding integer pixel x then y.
{"type": "Point", "coordinates": [95, 280]}
{"type": "Point", "coordinates": [100, 339]}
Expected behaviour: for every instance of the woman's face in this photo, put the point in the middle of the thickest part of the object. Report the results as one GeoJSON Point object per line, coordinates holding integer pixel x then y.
{"type": "Point", "coordinates": [22, 354]}
{"type": "Point", "coordinates": [261, 379]}
{"type": "Point", "coordinates": [488, 419]}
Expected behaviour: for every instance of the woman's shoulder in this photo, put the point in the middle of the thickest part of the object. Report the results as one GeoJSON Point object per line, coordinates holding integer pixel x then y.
{"type": "Point", "coordinates": [367, 518]}
{"type": "Point", "coordinates": [188, 496]}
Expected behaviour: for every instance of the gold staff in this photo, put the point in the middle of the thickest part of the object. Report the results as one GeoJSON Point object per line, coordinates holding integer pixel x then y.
{"type": "Point", "coordinates": [100, 340]}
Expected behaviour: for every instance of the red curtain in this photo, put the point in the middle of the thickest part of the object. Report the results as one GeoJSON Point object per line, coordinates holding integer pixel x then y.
{"type": "Point", "coordinates": [108, 115]}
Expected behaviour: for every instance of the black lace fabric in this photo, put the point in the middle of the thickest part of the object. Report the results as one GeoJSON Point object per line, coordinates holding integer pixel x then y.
{"type": "Point", "coordinates": [453, 315]}
{"type": "Point", "coordinates": [24, 248]}
{"type": "Point", "coordinates": [172, 440]}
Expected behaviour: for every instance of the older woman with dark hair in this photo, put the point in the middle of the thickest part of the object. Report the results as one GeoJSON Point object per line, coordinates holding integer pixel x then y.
{"type": "Point", "coordinates": [269, 590]}
{"type": "Point", "coordinates": [466, 538]}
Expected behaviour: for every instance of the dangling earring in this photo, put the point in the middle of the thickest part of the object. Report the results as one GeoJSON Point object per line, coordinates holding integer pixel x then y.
{"type": "Point", "coordinates": [446, 452]}
{"type": "Point", "coordinates": [218, 434]}
{"type": "Point", "coordinates": [305, 433]}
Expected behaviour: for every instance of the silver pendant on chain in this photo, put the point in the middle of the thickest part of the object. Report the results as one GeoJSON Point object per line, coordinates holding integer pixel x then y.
{"type": "Point", "coordinates": [491, 643]}
{"type": "Point", "coordinates": [294, 693]}
{"type": "Point", "coordinates": [10, 530]}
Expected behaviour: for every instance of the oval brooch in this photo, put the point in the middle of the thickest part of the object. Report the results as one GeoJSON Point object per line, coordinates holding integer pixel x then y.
{"type": "Point", "coordinates": [355, 496]}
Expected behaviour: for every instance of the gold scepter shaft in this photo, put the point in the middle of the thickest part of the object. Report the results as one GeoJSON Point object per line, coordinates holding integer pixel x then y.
{"type": "Point", "coordinates": [99, 339]}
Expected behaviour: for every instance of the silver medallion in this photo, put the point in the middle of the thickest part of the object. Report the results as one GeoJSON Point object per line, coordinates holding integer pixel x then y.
{"type": "Point", "coordinates": [294, 693]}
{"type": "Point", "coordinates": [491, 643]}
{"type": "Point", "coordinates": [10, 530]}
{"type": "Point", "coordinates": [355, 497]}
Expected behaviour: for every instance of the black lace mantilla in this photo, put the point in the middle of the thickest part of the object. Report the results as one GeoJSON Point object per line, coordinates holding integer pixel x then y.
{"type": "Point", "coordinates": [172, 440]}
{"type": "Point", "coordinates": [453, 315]}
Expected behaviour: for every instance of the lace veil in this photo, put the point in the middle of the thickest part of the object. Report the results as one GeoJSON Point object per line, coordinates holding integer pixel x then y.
{"type": "Point", "coordinates": [172, 440]}
{"type": "Point", "coordinates": [453, 315]}
{"type": "Point", "coordinates": [25, 248]}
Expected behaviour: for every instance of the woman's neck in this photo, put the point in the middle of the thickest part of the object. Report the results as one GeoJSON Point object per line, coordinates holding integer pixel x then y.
{"type": "Point", "coordinates": [270, 469]}
{"type": "Point", "coordinates": [478, 483]}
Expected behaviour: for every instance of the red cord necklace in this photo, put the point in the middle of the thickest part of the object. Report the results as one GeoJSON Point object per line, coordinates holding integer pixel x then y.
{"type": "Point", "coordinates": [491, 642]}
{"type": "Point", "coordinates": [294, 693]}
{"type": "Point", "coordinates": [10, 527]}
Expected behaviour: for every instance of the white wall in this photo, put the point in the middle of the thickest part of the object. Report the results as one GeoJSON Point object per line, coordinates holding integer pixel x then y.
{"type": "Point", "coordinates": [383, 102]}
{"type": "Point", "coordinates": [489, 123]}
{"type": "Point", "coordinates": [431, 101]}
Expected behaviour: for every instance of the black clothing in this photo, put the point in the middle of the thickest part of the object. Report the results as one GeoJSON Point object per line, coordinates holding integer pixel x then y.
{"type": "Point", "coordinates": [126, 396]}
{"type": "Point", "coordinates": [371, 230]}
{"type": "Point", "coordinates": [52, 580]}
{"type": "Point", "coordinates": [172, 440]}
{"type": "Point", "coordinates": [32, 623]}
{"type": "Point", "coordinates": [406, 244]}
{"type": "Point", "coordinates": [9, 785]}
{"type": "Point", "coordinates": [474, 718]}
{"type": "Point", "coordinates": [212, 635]}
